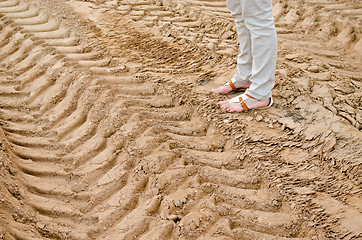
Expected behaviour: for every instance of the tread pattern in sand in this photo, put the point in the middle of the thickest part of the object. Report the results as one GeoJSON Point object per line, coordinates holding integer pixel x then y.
{"type": "Point", "coordinates": [335, 25]}
{"type": "Point", "coordinates": [102, 154]}
{"type": "Point", "coordinates": [103, 149]}
{"type": "Point", "coordinates": [329, 32]}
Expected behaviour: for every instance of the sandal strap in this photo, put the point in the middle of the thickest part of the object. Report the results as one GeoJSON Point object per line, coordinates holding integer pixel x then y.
{"type": "Point", "coordinates": [249, 96]}
{"type": "Point", "coordinates": [241, 100]}
{"type": "Point", "coordinates": [243, 105]}
{"type": "Point", "coordinates": [232, 85]}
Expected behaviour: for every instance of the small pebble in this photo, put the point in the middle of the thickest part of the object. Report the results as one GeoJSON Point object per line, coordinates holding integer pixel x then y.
{"type": "Point", "coordinates": [314, 69]}
{"type": "Point", "coordinates": [39, 225]}
{"type": "Point", "coordinates": [259, 118]}
{"type": "Point", "coordinates": [292, 206]}
{"type": "Point", "coordinates": [211, 46]}
{"type": "Point", "coordinates": [182, 41]}
{"type": "Point", "coordinates": [192, 38]}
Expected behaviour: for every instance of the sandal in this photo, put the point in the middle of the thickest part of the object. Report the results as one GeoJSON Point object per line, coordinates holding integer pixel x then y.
{"type": "Point", "coordinates": [233, 88]}
{"type": "Point", "coordinates": [241, 100]}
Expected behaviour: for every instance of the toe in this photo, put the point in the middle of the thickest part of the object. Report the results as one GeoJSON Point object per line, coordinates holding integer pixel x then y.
{"type": "Point", "coordinates": [221, 90]}
{"type": "Point", "coordinates": [223, 105]}
{"type": "Point", "coordinates": [235, 107]}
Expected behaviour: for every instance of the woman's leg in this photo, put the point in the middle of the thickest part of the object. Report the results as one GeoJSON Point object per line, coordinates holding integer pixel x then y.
{"type": "Point", "coordinates": [244, 60]}
{"type": "Point", "coordinates": [258, 18]}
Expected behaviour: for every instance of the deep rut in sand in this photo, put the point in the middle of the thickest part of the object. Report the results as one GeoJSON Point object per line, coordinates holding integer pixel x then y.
{"type": "Point", "coordinates": [107, 132]}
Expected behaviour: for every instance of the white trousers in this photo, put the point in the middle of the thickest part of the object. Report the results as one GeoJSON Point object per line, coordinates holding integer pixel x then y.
{"type": "Point", "coordinates": [258, 41]}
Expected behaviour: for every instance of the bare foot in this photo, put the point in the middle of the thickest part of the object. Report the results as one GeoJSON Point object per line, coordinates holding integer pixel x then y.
{"type": "Point", "coordinates": [233, 105]}
{"type": "Point", "coordinates": [226, 88]}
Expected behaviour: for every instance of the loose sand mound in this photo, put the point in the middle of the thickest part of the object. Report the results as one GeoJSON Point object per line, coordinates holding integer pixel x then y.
{"type": "Point", "coordinates": [108, 129]}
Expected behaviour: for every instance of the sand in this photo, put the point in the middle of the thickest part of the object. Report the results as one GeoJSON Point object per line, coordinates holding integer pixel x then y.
{"type": "Point", "coordinates": [108, 128]}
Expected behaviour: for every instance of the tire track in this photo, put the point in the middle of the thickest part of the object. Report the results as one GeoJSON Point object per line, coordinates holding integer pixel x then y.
{"type": "Point", "coordinates": [47, 199]}
{"type": "Point", "coordinates": [82, 120]}
{"type": "Point", "coordinates": [290, 22]}
{"type": "Point", "coordinates": [108, 152]}
{"type": "Point", "coordinates": [322, 77]}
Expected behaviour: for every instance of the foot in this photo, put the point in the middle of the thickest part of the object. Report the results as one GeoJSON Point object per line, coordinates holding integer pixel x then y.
{"type": "Point", "coordinates": [230, 87]}
{"type": "Point", "coordinates": [245, 102]}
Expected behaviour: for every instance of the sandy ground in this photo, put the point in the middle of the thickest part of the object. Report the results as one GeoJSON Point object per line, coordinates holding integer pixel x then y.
{"type": "Point", "coordinates": [108, 128]}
